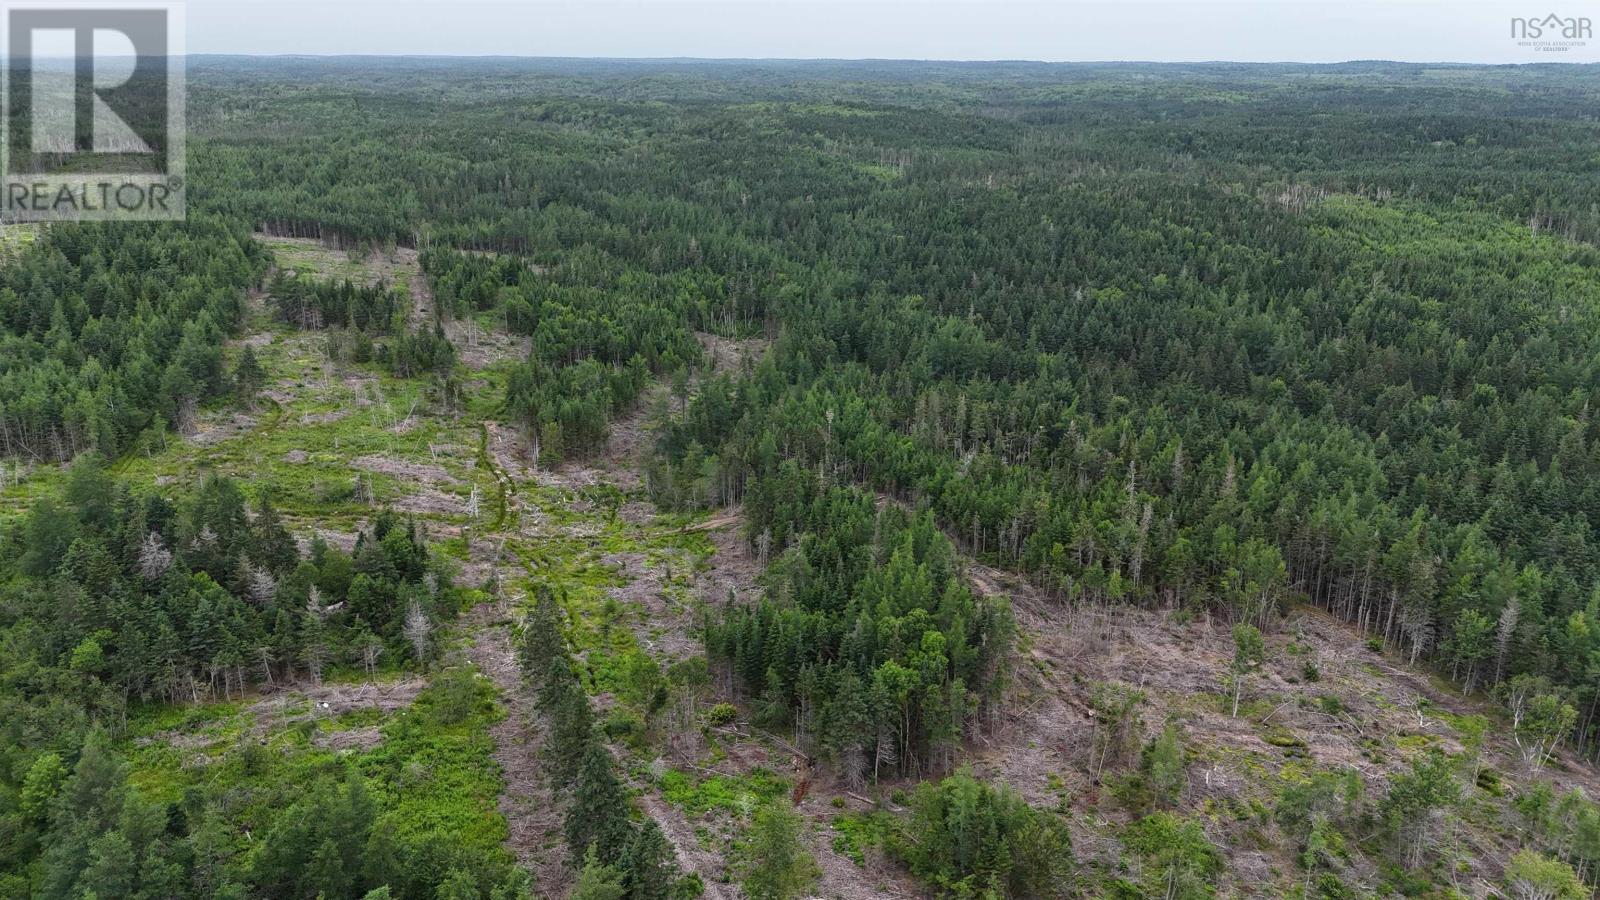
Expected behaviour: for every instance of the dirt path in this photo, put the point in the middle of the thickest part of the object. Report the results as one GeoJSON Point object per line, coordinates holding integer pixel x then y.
{"type": "Point", "coordinates": [728, 574]}
{"type": "Point", "coordinates": [686, 845]}
{"type": "Point", "coordinates": [659, 584]}
{"type": "Point", "coordinates": [533, 813]}
{"type": "Point", "coordinates": [422, 307]}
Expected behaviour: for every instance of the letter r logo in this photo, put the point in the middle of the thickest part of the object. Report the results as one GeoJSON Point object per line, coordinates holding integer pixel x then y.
{"type": "Point", "coordinates": [89, 80]}
{"type": "Point", "coordinates": [92, 109]}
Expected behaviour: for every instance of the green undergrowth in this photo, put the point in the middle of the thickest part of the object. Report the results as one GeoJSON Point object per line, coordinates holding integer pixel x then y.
{"type": "Point", "coordinates": [736, 794]}
{"type": "Point", "coordinates": [854, 833]}
{"type": "Point", "coordinates": [307, 258]}
{"type": "Point", "coordinates": [435, 773]}
{"type": "Point", "coordinates": [432, 778]}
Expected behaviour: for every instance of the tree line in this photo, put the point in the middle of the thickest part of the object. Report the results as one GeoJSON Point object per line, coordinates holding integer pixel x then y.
{"type": "Point", "coordinates": [108, 328]}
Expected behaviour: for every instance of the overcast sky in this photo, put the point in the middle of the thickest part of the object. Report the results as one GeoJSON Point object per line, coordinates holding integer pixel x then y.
{"type": "Point", "coordinates": [1064, 30]}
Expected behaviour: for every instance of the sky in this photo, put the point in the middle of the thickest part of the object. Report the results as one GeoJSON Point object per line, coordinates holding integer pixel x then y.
{"type": "Point", "coordinates": [1063, 30]}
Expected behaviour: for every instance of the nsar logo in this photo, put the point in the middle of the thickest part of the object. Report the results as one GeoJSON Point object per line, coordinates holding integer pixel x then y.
{"type": "Point", "coordinates": [1552, 33]}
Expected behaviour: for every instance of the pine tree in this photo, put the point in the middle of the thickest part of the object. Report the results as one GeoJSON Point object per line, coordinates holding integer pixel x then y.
{"type": "Point", "coordinates": [542, 637]}
{"type": "Point", "coordinates": [1164, 766]}
{"type": "Point", "coordinates": [271, 544]}
{"type": "Point", "coordinates": [111, 871]}
{"type": "Point", "coordinates": [648, 868]}
{"type": "Point", "coordinates": [328, 873]}
{"type": "Point", "coordinates": [597, 881]}
{"type": "Point", "coordinates": [598, 814]}
{"type": "Point", "coordinates": [571, 721]}
{"type": "Point", "coordinates": [458, 884]}
{"type": "Point", "coordinates": [248, 377]}
{"type": "Point", "coordinates": [381, 857]}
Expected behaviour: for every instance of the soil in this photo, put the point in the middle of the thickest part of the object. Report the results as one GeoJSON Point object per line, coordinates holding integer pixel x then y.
{"type": "Point", "coordinates": [351, 739]}
{"type": "Point", "coordinates": [1323, 699]}
{"type": "Point", "coordinates": [210, 432]}
{"type": "Point", "coordinates": [664, 626]}
{"type": "Point", "coordinates": [425, 473]}
{"type": "Point", "coordinates": [301, 702]}
{"type": "Point", "coordinates": [533, 811]}
{"type": "Point", "coordinates": [733, 570]}
{"type": "Point", "coordinates": [324, 418]}
{"type": "Point", "coordinates": [692, 858]}
{"type": "Point", "coordinates": [732, 354]}
{"type": "Point", "coordinates": [431, 501]}
{"type": "Point", "coordinates": [480, 348]}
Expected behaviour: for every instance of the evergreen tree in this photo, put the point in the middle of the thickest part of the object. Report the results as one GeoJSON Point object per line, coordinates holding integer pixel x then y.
{"type": "Point", "coordinates": [1164, 766]}
{"type": "Point", "coordinates": [598, 812]}
{"type": "Point", "coordinates": [598, 881]}
{"type": "Point", "coordinates": [647, 864]}
{"type": "Point", "coordinates": [248, 377]}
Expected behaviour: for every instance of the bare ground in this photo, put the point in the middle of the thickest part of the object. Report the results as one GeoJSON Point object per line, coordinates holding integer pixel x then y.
{"type": "Point", "coordinates": [481, 348]}
{"type": "Point", "coordinates": [731, 354]}
{"type": "Point", "coordinates": [351, 739]}
{"type": "Point", "coordinates": [533, 813]}
{"type": "Point", "coordinates": [430, 501]}
{"type": "Point", "coordinates": [212, 431]}
{"type": "Point", "coordinates": [733, 570]}
{"type": "Point", "coordinates": [426, 473]}
{"type": "Point", "coordinates": [664, 626]}
{"type": "Point", "coordinates": [324, 418]}
{"type": "Point", "coordinates": [315, 702]}
{"type": "Point", "coordinates": [344, 540]}
{"type": "Point", "coordinates": [325, 261]}
{"type": "Point", "coordinates": [1324, 699]}
{"type": "Point", "coordinates": [842, 879]}
{"type": "Point", "coordinates": [686, 846]}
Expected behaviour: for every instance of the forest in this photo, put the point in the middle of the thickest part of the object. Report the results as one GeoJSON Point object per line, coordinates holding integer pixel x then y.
{"type": "Point", "coordinates": [795, 479]}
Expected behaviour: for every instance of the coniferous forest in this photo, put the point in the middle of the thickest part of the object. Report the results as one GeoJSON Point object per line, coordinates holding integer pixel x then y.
{"type": "Point", "coordinates": [601, 479]}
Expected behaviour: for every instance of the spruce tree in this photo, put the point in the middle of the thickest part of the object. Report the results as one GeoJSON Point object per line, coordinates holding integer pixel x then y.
{"type": "Point", "coordinates": [248, 377]}
{"type": "Point", "coordinates": [598, 812]}
{"type": "Point", "coordinates": [597, 881]}
{"type": "Point", "coordinates": [648, 869]}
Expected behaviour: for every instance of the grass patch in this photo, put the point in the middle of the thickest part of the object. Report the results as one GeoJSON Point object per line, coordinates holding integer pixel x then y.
{"type": "Point", "coordinates": [854, 833]}
{"type": "Point", "coordinates": [737, 794]}
{"type": "Point", "coordinates": [435, 776]}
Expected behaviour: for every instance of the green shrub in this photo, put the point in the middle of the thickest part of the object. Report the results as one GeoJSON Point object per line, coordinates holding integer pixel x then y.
{"type": "Point", "coordinates": [721, 714]}
{"type": "Point", "coordinates": [968, 839]}
{"type": "Point", "coordinates": [624, 727]}
{"type": "Point", "coordinates": [1180, 860]}
{"type": "Point", "coordinates": [729, 793]}
{"type": "Point", "coordinates": [777, 865]}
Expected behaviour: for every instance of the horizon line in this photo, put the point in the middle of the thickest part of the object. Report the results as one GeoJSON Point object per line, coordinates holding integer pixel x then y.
{"type": "Point", "coordinates": [442, 55]}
